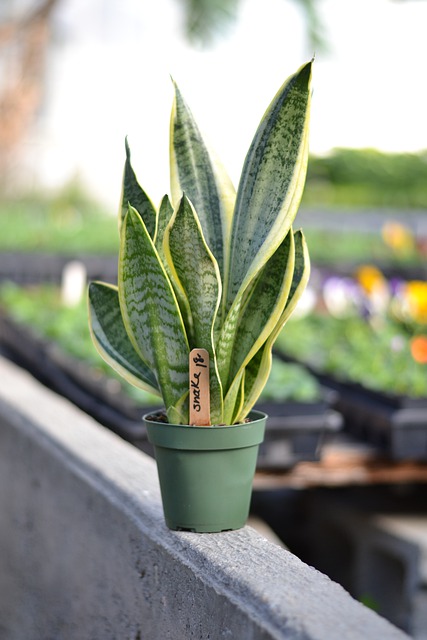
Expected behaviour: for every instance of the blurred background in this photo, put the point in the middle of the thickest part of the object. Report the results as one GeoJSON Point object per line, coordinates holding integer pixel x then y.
{"type": "Point", "coordinates": [76, 77]}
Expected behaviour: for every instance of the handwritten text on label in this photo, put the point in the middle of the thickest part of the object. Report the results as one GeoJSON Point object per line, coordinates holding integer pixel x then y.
{"type": "Point", "coordinates": [199, 387]}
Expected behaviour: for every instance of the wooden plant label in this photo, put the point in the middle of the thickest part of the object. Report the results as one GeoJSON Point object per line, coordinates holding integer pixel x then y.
{"type": "Point", "coordinates": [200, 409]}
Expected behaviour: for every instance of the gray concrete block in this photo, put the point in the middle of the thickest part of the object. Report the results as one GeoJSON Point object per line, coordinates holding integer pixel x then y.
{"type": "Point", "coordinates": [85, 554]}
{"type": "Point", "coordinates": [380, 558]}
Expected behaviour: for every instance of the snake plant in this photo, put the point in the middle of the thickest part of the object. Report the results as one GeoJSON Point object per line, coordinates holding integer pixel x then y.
{"type": "Point", "coordinates": [209, 268]}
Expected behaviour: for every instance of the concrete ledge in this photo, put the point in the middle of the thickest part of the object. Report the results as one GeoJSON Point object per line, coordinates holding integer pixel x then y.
{"type": "Point", "coordinates": [378, 553]}
{"type": "Point", "coordinates": [85, 553]}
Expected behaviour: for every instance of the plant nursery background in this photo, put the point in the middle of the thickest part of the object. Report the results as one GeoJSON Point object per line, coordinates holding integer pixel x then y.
{"type": "Point", "coordinates": [108, 75]}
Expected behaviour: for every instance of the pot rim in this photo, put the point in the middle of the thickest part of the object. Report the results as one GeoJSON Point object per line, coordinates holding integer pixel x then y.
{"type": "Point", "coordinates": [255, 413]}
{"type": "Point", "coordinates": [190, 437]}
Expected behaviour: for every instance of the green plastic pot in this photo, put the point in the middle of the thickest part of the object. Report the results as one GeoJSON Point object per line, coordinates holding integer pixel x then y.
{"type": "Point", "coordinates": [206, 473]}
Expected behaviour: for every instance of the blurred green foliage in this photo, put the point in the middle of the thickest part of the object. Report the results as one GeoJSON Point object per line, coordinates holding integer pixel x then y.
{"type": "Point", "coordinates": [346, 247]}
{"type": "Point", "coordinates": [367, 177]}
{"type": "Point", "coordinates": [205, 20]}
{"type": "Point", "coordinates": [290, 382]}
{"type": "Point", "coordinates": [353, 349]}
{"type": "Point", "coordinates": [67, 220]}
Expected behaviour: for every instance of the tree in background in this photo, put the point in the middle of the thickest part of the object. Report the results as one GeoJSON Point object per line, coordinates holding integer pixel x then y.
{"type": "Point", "coordinates": [23, 49]}
{"type": "Point", "coordinates": [24, 43]}
{"type": "Point", "coordinates": [204, 19]}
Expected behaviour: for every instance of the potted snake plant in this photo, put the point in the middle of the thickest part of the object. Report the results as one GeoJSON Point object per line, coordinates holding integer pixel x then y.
{"type": "Point", "coordinates": [206, 283]}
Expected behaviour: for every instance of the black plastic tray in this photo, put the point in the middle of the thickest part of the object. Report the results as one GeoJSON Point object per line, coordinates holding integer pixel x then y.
{"type": "Point", "coordinates": [395, 424]}
{"type": "Point", "coordinates": [35, 268]}
{"type": "Point", "coordinates": [296, 432]}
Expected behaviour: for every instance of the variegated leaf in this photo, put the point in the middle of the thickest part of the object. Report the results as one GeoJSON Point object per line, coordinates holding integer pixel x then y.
{"type": "Point", "coordinates": [258, 369]}
{"type": "Point", "coordinates": [164, 218]}
{"type": "Point", "coordinates": [150, 311]}
{"type": "Point", "coordinates": [234, 399]}
{"type": "Point", "coordinates": [226, 342]}
{"type": "Point", "coordinates": [240, 400]}
{"type": "Point", "coordinates": [133, 194]}
{"type": "Point", "coordinates": [195, 269]}
{"type": "Point", "coordinates": [265, 305]}
{"type": "Point", "coordinates": [111, 340]}
{"type": "Point", "coordinates": [271, 183]}
{"type": "Point", "coordinates": [195, 171]}
{"type": "Point", "coordinates": [246, 330]}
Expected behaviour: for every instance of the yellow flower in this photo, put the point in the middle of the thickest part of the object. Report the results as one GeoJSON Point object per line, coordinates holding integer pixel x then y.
{"type": "Point", "coordinates": [375, 289]}
{"type": "Point", "coordinates": [397, 236]}
{"type": "Point", "coordinates": [371, 279]}
{"type": "Point", "coordinates": [416, 300]}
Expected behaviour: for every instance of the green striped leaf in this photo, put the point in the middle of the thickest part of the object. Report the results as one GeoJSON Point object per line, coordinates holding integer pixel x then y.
{"type": "Point", "coordinates": [258, 369]}
{"type": "Point", "coordinates": [133, 194]}
{"type": "Point", "coordinates": [253, 317]}
{"type": "Point", "coordinates": [151, 313]}
{"type": "Point", "coordinates": [265, 305]}
{"type": "Point", "coordinates": [256, 377]}
{"type": "Point", "coordinates": [300, 279]}
{"type": "Point", "coordinates": [240, 400]}
{"type": "Point", "coordinates": [234, 399]}
{"type": "Point", "coordinates": [195, 171]}
{"type": "Point", "coordinates": [226, 342]}
{"type": "Point", "coordinates": [258, 318]}
{"type": "Point", "coordinates": [271, 183]}
{"type": "Point", "coordinates": [111, 340]}
{"type": "Point", "coordinates": [164, 218]}
{"type": "Point", "coordinates": [195, 269]}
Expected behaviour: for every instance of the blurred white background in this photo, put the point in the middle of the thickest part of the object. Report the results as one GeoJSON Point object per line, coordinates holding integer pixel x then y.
{"type": "Point", "coordinates": [109, 68]}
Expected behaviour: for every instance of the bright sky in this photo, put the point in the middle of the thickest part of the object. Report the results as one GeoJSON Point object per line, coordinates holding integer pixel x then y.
{"type": "Point", "coordinates": [110, 78]}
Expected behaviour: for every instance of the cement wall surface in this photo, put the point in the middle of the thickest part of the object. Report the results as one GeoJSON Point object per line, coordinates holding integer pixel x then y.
{"type": "Point", "coordinates": [85, 553]}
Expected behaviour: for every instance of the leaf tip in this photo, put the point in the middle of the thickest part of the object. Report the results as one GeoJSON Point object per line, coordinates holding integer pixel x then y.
{"type": "Point", "coordinates": [127, 148]}
{"type": "Point", "coordinates": [304, 71]}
